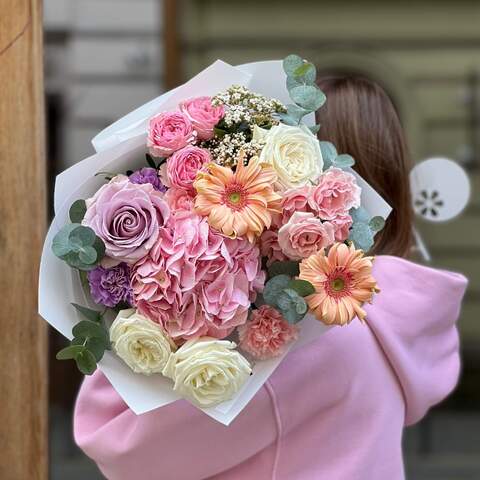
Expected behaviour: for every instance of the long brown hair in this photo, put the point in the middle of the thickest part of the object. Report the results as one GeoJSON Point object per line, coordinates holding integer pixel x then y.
{"type": "Point", "coordinates": [360, 119]}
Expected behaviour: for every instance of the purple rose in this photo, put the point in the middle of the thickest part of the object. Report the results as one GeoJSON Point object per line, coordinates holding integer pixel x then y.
{"type": "Point", "coordinates": [127, 217]}
{"type": "Point", "coordinates": [147, 175]}
{"type": "Point", "coordinates": [110, 286]}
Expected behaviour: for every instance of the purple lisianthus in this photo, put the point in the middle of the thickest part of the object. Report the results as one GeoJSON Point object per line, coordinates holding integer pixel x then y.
{"type": "Point", "coordinates": [110, 286]}
{"type": "Point", "coordinates": [147, 175]}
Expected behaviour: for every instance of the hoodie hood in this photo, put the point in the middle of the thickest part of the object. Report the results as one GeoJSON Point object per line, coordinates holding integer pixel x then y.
{"type": "Point", "coordinates": [413, 319]}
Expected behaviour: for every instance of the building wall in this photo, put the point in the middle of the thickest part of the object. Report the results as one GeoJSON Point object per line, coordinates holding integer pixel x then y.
{"type": "Point", "coordinates": [424, 53]}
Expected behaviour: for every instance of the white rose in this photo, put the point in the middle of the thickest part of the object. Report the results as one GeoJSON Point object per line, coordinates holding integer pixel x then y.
{"type": "Point", "coordinates": [294, 153]}
{"type": "Point", "coordinates": [207, 371]}
{"type": "Point", "coordinates": [140, 343]}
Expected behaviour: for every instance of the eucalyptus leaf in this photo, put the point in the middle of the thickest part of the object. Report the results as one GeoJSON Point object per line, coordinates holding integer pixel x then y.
{"type": "Point", "coordinates": [309, 97]}
{"type": "Point", "coordinates": [73, 260]}
{"type": "Point", "coordinates": [291, 63]}
{"type": "Point", "coordinates": [329, 154]}
{"type": "Point", "coordinates": [344, 161]}
{"type": "Point", "coordinates": [88, 313]}
{"type": "Point", "coordinates": [273, 288]}
{"type": "Point", "coordinates": [362, 236]}
{"type": "Point", "coordinates": [86, 362]}
{"type": "Point", "coordinates": [302, 287]}
{"type": "Point", "coordinates": [88, 255]}
{"type": "Point", "coordinates": [296, 112]}
{"type": "Point", "coordinates": [82, 236]}
{"type": "Point", "coordinates": [288, 119]}
{"type": "Point", "coordinates": [359, 214]}
{"type": "Point", "coordinates": [88, 329]}
{"type": "Point", "coordinates": [99, 247]}
{"type": "Point", "coordinates": [286, 298]}
{"type": "Point", "coordinates": [259, 300]}
{"type": "Point", "coordinates": [287, 267]}
{"type": "Point", "coordinates": [77, 211]}
{"type": "Point", "coordinates": [301, 307]}
{"type": "Point", "coordinates": [293, 82]}
{"type": "Point", "coordinates": [315, 128]}
{"type": "Point", "coordinates": [95, 345]}
{"type": "Point", "coordinates": [376, 224]}
{"type": "Point", "coordinates": [306, 73]}
{"type": "Point", "coordinates": [60, 244]}
{"type": "Point", "coordinates": [70, 352]}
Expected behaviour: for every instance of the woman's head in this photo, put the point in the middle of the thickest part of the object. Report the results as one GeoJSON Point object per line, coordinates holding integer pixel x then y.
{"type": "Point", "coordinates": [360, 119]}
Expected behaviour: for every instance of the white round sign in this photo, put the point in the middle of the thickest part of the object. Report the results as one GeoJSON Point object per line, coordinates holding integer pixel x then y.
{"type": "Point", "coordinates": [440, 189]}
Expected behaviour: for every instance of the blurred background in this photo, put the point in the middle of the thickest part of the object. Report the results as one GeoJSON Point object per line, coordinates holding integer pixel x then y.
{"type": "Point", "coordinates": [104, 58]}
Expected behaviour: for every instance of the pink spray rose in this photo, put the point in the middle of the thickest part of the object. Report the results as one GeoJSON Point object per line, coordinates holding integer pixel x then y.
{"type": "Point", "coordinates": [341, 225]}
{"type": "Point", "coordinates": [266, 334]}
{"type": "Point", "coordinates": [336, 193]}
{"type": "Point", "coordinates": [169, 132]}
{"type": "Point", "coordinates": [304, 235]}
{"type": "Point", "coordinates": [179, 200]}
{"type": "Point", "coordinates": [203, 115]}
{"type": "Point", "coordinates": [127, 217]}
{"type": "Point", "coordinates": [183, 166]}
{"type": "Point", "coordinates": [295, 200]}
{"type": "Point", "coordinates": [270, 248]}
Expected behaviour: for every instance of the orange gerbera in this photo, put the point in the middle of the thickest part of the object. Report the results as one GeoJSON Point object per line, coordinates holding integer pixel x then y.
{"type": "Point", "coordinates": [343, 282]}
{"type": "Point", "coordinates": [238, 203]}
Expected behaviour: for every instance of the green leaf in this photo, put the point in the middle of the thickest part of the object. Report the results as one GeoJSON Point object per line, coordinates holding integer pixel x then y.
{"type": "Point", "coordinates": [359, 214]}
{"type": "Point", "coordinates": [77, 211]}
{"type": "Point", "coordinates": [291, 63]}
{"type": "Point", "coordinates": [361, 235]}
{"type": "Point", "coordinates": [99, 247]}
{"type": "Point", "coordinates": [88, 329]}
{"type": "Point", "coordinates": [88, 313]}
{"type": "Point", "coordinates": [296, 112]}
{"type": "Point", "coordinates": [302, 287]}
{"type": "Point", "coordinates": [306, 73]}
{"type": "Point", "coordinates": [273, 288]}
{"type": "Point", "coordinates": [73, 260]}
{"type": "Point", "coordinates": [288, 267]}
{"type": "Point", "coordinates": [309, 97]}
{"type": "Point", "coordinates": [259, 300]}
{"type": "Point", "coordinates": [301, 307]}
{"type": "Point", "coordinates": [315, 128]}
{"type": "Point", "coordinates": [70, 352]}
{"type": "Point", "coordinates": [150, 161]}
{"type": "Point", "coordinates": [288, 119]}
{"type": "Point", "coordinates": [60, 244]}
{"type": "Point", "coordinates": [88, 255]}
{"type": "Point", "coordinates": [86, 362]}
{"type": "Point", "coordinates": [293, 82]}
{"type": "Point", "coordinates": [329, 154]}
{"type": "Point", "coordinates": [344, 161]}
{"type": "Point", "coordinates": [376, 224]}
{"type": "Point", "coordinates": [291, 305]}
{"type": "Point", "coordinates": [81, 236]}
{"type": "Point", "coordinates": [95, 345]}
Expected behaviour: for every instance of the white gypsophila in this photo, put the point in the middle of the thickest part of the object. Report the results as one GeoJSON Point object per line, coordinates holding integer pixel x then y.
{"type": "Point", "coordinates": [207, 371]}
{"type": "Point", "coordinates": [140, 343]}
{"type": "Point", "coordinates": [293, 151]}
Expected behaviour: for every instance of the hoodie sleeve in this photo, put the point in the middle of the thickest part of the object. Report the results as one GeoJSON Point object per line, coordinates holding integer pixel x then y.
{"type": "Point", "coordinates": [413, 319]}
{"type": "Point", "coordinates": [187, 444]}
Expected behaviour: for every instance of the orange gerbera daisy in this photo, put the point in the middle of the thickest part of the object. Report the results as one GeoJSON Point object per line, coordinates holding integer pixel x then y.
{"type": "Point", "coordinates": [343, 282]}
{"type": "Point", "coordinates": [239, 203]}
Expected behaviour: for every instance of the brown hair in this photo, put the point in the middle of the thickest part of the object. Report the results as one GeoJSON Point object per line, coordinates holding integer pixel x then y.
{"type": "Point", "coordinates": [360, 119]}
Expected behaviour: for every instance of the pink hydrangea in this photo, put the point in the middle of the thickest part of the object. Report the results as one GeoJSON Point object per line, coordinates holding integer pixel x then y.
{"type": "Point", "coordinates": [270, 248]}
{"type": "Point", "coordinates": [127, 217]}
{"type": "Point", "coordinates": [266, 334]}
{"type": "Point", "coordinates": [304, 234]}
{"type": "Point", "coordinates": [183, 166]}
{"type": "Point", "coordinates": [169, 132]}
{"type": "Point", "coordinates": [203, 115]}
{"type": "Point", "coordinates": [295, 200]}
{"type": "Point", "coordinates": [336, 193]}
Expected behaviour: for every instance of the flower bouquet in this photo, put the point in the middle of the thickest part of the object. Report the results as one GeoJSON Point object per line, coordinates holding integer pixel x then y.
{"type": "Point", "coordinates": [210, 233]}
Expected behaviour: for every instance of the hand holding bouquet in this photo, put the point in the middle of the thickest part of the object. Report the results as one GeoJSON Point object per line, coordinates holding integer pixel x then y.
{"type": "Point", "coordinates": [205, 260]}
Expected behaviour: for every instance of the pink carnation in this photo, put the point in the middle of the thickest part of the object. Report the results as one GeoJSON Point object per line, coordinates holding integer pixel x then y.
{"type": "Point", "coordinates": [336, 193]}
{"type": "Point", "coordinates": [295, 200]}
{"type": "Point", "coordinates": [183, 166]}
{"type": "Point", "coordinates": [169, 132]}
{"type": "Point", "coordinates": [127, 217]}
{"type": "Point", "coordinates": [203, 115]}
{"type": "Point", "coordinates": [266, 334]}
{"type": "Point", "coordinates": [304, 235]}
{"type": "Point", "coordinates": [341, 225]}
{"type": "Point", "coordinates": [270, 248]}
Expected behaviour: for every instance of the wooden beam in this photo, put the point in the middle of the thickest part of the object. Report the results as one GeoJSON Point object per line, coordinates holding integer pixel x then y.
{"type": "Point", "coordinates": [171, 43]}
{"type": "Point", "coordinates": [23, 341]}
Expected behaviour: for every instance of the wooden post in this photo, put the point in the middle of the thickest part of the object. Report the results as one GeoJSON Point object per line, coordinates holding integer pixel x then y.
{"type": "Point", "coordinates": [171, 44]}
{"type": "Point", "coordinates": [23, 341]}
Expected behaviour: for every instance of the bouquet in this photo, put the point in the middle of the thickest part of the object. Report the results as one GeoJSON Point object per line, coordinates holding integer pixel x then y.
{"type": "Point", "coordinates": [199, 266]}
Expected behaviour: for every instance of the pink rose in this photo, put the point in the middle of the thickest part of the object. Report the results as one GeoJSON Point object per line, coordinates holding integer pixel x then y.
{"type": "Point", "coordinates": [179, 200]}
{"type": "Point", "coordinates": [336, 193]}
{"type": "Point", "coordinates": [266, 334]}
{"type": "Point", "coordinates": [183, 166]}
{"type": "Point", "coordinates": [127, 217]}
{"type": "Point", "coordinates": [295, 200]}
{"type": "Point", "coordinates": [304, 235]}
{"type": "Point", "coordinates": [169, 132]}
{"type": "Point", "coordinates": [341, 225]}
{"type": "Point", "coordinates": [203, 115]}
{"type": "Point", "coordinates": [270, 248]}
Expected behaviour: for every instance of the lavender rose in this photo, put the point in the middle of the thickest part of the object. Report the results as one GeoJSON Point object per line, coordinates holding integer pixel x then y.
{"type": "Point", "coordinates": [127, 217]}
{"type": "Point", "coordinates": [147, 175]}
{"type": "Point", "coordinates": [110, 286]}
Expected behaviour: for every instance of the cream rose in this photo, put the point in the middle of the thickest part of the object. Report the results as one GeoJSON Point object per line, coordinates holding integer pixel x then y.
{"type": "Point", "coordinates": [140, 343]}
{"type": "Point", "coordinates": [207, 371]}
{"type": "Point", "coordinates": [294, 153]}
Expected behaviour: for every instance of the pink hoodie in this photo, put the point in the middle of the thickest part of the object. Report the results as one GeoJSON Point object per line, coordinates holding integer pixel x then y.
{"type": "Point", "coordinates": [333, 410]}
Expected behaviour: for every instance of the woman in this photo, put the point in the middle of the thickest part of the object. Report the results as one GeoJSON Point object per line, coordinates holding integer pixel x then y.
{"type": "Point", "coordinates": [334, 409]}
